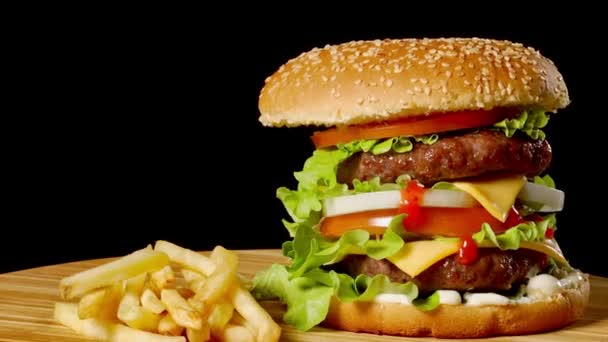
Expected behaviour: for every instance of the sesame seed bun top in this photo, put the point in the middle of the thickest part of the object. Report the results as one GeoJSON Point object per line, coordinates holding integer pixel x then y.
{"type": "Point", "coordinates": [368, 81]}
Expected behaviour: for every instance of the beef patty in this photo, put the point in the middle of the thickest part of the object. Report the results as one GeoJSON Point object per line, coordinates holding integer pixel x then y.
{"type": "Point", "coordinates": [494, 270]}
{"type": "Point", "coordinates": [452, 157]}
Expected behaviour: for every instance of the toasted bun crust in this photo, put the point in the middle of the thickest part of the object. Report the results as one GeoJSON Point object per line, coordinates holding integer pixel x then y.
{"type": "Point", "coordinates": [459, 321]}
{"type": "Point", "coordinates": [367, 81]}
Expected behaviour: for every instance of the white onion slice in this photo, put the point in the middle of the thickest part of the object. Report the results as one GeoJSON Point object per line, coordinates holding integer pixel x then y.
{"type": "Point", "coordinates": [552, 200]}
{"type": "Point", "coordinates": [392, 199]}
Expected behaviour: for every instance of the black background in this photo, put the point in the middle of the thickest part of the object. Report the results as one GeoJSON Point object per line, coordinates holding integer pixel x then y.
{"type": "Point", "coordinates": [138, 130]}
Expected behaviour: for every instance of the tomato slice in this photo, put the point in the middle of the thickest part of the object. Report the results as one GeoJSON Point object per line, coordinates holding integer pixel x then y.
{"type": "Point", "coordinates": [434, 123]}
{"type": "Point", "coordinates": [454, 222]}
{"type": "Point", "coordinates": [374, 221]}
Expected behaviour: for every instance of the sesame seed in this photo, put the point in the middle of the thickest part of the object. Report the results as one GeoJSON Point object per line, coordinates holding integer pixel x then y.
{"type": "Point", "coordinates": [360, 101]}
{"type": "Point", "coordinates": [324, 78]}
{"type": "Point", "coordinates": [389, 83]}
{"type": "Point", "coordinates": [417, 89]}
{"type": "Point", "coordinates": [448, 74]}
{"type": "Point", "coordinates": [357, 82]}
{"type": "Point", "coordinates": [333, 78]}
{"type": "Point", "coordinates": [424, 81]}
{"type": "Point", "coordinates": [427, 90]}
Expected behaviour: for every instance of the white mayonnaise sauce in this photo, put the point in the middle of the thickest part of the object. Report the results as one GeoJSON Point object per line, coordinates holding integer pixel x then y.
{"type": "Point", "coordinates": [448, 297]}
{"type": "Point", "coordinates": [539, 288]}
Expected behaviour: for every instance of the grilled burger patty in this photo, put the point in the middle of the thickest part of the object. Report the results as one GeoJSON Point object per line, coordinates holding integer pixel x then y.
{"type": "Point", "coordinates": [494, 270]}
{"type": "Point", "coordinates": [452, 157]}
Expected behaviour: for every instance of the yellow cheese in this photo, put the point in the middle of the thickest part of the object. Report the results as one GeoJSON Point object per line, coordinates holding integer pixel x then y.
{"type": "Point", "coordinates": [415, 257]}
{"type": "Point", "coordinates": [496, 195]}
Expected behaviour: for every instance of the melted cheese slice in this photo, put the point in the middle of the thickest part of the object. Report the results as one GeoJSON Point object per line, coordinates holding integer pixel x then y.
{"type": "Point", "coordinates": [496, 195]}
{"type": "Point", "coordinates": [415, 257]}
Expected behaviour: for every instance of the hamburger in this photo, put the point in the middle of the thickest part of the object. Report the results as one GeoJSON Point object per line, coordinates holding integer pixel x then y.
{"type": "Point", "coordinates": [425, 208]}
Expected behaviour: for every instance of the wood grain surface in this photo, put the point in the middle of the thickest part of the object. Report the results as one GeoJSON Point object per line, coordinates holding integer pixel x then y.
{"type": "Point", "coordinates": [27, 298]}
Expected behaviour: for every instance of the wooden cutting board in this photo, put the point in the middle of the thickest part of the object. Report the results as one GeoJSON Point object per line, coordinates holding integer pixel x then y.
{"type": "Point", "coordinates": [27, 298]}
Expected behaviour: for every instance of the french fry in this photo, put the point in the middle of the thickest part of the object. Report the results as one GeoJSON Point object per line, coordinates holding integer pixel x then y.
{"type": "Point", "coordinates": [197, 305]}
{"type": "Point", "coordinates": [219, 316]}
{"type": "Point", "coordinates": [165, 293]}
{"type": "Point", "coordinates": [111, 301]}
{"type": "Point", "coordinates": [186, 257]}
{"type": "Point", "coordinates": [194, 280]}
{"type": "Point", "coordinates": [237, 333]}
{"type": "Point", "coordinates": [197, 285]}
{"type": "Point", "coordinates": [185, 292]}
{"type": "Point", "coordinates": [190, 275]}
{"type": "Point", "coordinates": [90, 305]}
{"type": "Point", "coordinates": [198, 335]}
{"type": "Point", "coordinates": [136, 263]}
{"type": "Point", "coordinates": [150, 302]}
{"type": "Point", "coordinates": [246, 305]}
{"type": "Point", "coordinates": [179, 309]}
{"type": "Point", "coordinates": [222, 280]}
{"type": "Point", "coordinates": [136, 284]}
{"type": "Point", "coordinates": [135, 316]}
{"type": "Point", "coordinates": [67, 315]}
{"type": "Point", "coordinates": [237, 319]}
{"type": "Point", "coordinates": [163, 278]}
{"type": "Point", "coordinates": [167, 326]}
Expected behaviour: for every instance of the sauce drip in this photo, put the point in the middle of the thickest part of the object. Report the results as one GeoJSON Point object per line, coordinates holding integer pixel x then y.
{"type": "Point", "coordinates": [467, 253]}
{"type": "Point", "coordinates": [411, 196]}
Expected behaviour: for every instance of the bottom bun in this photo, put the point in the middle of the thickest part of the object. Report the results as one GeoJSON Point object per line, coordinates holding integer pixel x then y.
{"type": "Point", "coordinates": [460, 321]}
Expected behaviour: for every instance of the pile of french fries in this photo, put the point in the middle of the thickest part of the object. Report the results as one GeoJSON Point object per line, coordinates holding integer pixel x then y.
{"type": "Point", "coordinates": [164, 293]}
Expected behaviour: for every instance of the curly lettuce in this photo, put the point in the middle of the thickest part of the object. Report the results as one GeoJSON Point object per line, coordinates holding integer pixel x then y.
{"type": "Point", "coordinates": [511, 239]}
{"type": "Point", "coordinates": [308, 297]}
{"type": "Point", "coordinates": [530, 122]}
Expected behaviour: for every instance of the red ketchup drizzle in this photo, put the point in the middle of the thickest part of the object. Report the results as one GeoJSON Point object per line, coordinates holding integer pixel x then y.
{"type": "Point", "coordinates": [513, 219]}
{"type": "Point", "coordinates": [411, 196]}
{"type": "Point", "coordinates": [467, 253]}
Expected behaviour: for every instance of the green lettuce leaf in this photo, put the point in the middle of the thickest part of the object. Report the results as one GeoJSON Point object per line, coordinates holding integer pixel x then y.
{"type": "Point", "coordinates": [511, 239]}
{"type": "Point", "coordinates": [308, 296]}
{"type": "Point", "coordinates": [530, 122]}
{"type": "Point", "coordinates": [429, 303]}
{"type": "Point", "coordinates": [546, 180]}
{"type": "Point", "coordinates": [373, 185]}
{"type": "Point", "coordinates": [310, 250]}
